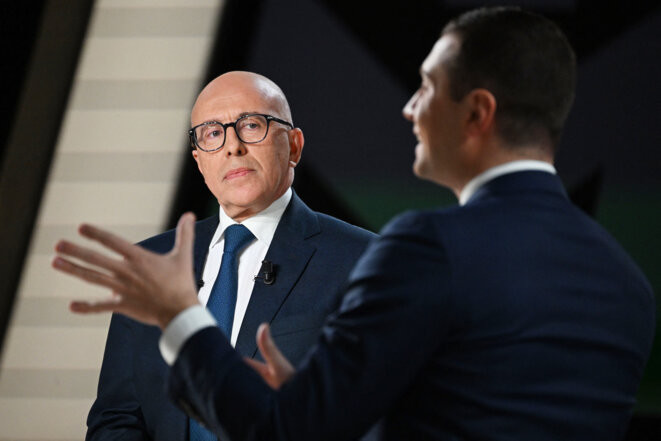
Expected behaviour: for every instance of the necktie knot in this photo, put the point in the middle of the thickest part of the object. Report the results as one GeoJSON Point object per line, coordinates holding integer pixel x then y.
{"type": "Point", "coordinates": [236, 237]}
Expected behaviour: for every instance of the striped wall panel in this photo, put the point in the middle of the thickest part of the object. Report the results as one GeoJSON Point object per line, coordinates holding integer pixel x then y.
{"type": "Point", "coordinates": [116, 165]}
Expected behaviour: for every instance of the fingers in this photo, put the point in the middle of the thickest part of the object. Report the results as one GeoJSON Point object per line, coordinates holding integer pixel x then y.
{"type": "Point", "coordinates": [106, 305]}
{"type": "Point", "coordinates": [267, 346]}
{"type": "Point", "coordinates": [87, 274]}
{"type": "Point", "coordinates": [109, 240]}
{"type": "Point", "coordinates": [279, 366]}
{"type": "Point", "coordinates": [185, 235]}
{"type": "Point", "coordinates": [88, 256]}
{"type": "Point", "coordinates": [154, 287]}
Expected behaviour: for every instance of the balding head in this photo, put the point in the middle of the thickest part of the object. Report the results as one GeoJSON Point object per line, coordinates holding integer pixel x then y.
{"type": "Point", "coordinates": [240, 85]}
{"type": "Point", "coordinates": [246, 177]}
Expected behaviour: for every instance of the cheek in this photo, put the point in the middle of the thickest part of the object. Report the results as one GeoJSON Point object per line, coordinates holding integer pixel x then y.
{"type": "Point", "coordinates": [277, 170]}
{"type": "Point", "coordinates": [276, 163]}
{"type": "Point", "coordinates": [434, 120]}
{"type": "Point", "coordinates": [423, 116]}
{"type": "Point", "coordinates": [209, 169]}
{"type": "Point", "coordinates": [211, 172]}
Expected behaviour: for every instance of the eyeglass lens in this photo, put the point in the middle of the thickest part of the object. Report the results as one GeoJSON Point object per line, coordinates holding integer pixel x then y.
{"type": "Point", "coordinates": [249, 128]}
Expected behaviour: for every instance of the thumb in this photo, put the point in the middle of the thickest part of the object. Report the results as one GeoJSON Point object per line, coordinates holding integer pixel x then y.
{"type": "Point", "coordinates": [276, 362]}
{"type": "Point", "coordinates": [259, 367]}
{"type": "Point", "coordinates": [183, 242]}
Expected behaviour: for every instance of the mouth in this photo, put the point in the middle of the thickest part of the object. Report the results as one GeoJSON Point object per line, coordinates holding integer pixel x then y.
{"type": "Point", "coordinates": [237, 173]}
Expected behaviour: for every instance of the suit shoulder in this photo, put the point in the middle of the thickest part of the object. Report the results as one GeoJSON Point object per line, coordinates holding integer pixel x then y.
{"type": "Point", "coordinates": [613, 248]}
{"type": "Point", "coordinates": [163, 242]}
{"type": "Point", "coordinates": [342, 229]}
{"type": "Point", "coordinates": [415, 222]}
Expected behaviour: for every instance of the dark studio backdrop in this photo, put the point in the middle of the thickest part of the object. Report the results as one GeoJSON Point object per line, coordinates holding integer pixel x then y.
{"type": "Point", "coordinates": [349, 67]}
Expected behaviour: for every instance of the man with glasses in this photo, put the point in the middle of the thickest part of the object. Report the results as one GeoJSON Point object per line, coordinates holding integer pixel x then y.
{"type": "Point", "coordinates": [287, 268]}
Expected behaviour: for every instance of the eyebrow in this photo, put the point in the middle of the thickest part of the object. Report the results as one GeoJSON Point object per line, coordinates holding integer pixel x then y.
{"type": "Point", "coordinates": [242, 114]}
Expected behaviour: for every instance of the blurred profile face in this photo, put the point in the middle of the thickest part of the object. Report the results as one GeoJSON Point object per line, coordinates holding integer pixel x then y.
{"type": "Point", "coordinates": [246, 178]}
{"type": "Point", "coordinates": [436, 118]}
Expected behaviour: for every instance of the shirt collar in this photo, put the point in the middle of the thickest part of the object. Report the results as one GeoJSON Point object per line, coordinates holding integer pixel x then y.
{"type": "Point", "coordinates": [510, 167]}
{"type": "Point", "coordinates": [262, 225]}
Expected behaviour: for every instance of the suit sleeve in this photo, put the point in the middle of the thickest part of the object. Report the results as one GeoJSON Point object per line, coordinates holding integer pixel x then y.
{"type": "Point", "coordinates": [370, 351]}
{"type": "Point", "coordinates": [116, 415]}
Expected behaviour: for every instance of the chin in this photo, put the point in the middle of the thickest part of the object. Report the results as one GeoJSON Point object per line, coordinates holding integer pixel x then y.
{"type": "Point", "coordinates": [422, 171]}
{"type": "Point", "coordinates": [416, 171]}
{"type": "Point", "coordinates": [240, 196]}
{"type": "Point", "coordinates": [419, 167]}
{"type": "Point", "coordinates": [245, 200]}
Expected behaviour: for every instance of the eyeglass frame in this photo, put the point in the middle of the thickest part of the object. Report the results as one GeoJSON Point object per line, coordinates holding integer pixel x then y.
{"type": "Point", "coordinates": [269, 118]}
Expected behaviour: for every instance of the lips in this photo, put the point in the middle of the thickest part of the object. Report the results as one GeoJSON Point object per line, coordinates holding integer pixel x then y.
{"type": "Point", "coordinates": [237, 173]}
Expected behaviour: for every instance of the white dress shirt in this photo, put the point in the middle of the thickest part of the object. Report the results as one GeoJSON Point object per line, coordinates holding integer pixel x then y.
{"type": "Point", "coordinates": [509, 167]}
{"type": "Point", "coordinates": [262, 226]}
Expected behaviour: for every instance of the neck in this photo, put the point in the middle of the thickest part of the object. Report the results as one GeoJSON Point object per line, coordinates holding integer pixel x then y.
{"type": "Point", "coordinates": [241, 213]}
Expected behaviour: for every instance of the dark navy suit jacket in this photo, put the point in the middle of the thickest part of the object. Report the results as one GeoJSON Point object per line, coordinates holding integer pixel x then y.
{"type": "Point", "coordinates": [312, 255]}
{"type": "Point", "coordinates": [514, 317]}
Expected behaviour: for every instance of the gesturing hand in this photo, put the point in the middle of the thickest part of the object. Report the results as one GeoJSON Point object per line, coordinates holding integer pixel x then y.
{"type": "Point", "coordinates": [277, 368]}
{"type": "Point", "coordinates": [149, 287]}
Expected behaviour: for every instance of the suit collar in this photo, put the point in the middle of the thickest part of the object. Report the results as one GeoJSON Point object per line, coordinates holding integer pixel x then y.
{"type": "Point", "coordinates": [289, 252]}
{"type": "Point", "coordinates": [262, 225]}
{"type": "Point", "coordinates": [509, 167]}
{"type": "Point", "coordinates": [520, 183]}
{"type": "Point", "coordinates": [298, 220]}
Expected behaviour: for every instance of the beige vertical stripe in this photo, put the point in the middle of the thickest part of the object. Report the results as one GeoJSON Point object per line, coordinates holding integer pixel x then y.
{"type": "Point", "coordinates": [116, 163]}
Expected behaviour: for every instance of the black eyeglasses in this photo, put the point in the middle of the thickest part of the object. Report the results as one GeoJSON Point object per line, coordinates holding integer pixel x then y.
{"type": "Point", "coordinates": [210, 136]}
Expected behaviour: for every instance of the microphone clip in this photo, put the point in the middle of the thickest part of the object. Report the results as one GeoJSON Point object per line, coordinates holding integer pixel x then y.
{"type": "Point", "coordinates": [266, 273]}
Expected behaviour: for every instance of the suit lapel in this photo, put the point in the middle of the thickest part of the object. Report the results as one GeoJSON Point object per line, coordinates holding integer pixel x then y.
{"type": "Point", "coordinates": [289, 252]}
{"type": "Point", "coordinates": [204, 231]}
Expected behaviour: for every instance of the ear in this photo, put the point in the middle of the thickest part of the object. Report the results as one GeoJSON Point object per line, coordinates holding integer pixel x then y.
{"type": "Point", "coordinates": [481, 112]}
{"type": "Point", "coordinates": [195, 154]}
{"type": "Point", "coordinates": [296, 142]}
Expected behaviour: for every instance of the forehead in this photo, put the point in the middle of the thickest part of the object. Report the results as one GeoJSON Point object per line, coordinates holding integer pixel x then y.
{"type": "Point", "coordinates": [444, 49]}
{"type": "Point", "coordinates": [226, 102]}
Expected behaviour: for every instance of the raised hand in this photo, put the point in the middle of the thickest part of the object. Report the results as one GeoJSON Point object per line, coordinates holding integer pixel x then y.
{"type": "Point", "coordinates": [277, 368]}
{"type": "Point", "coordinates": [149, 287]}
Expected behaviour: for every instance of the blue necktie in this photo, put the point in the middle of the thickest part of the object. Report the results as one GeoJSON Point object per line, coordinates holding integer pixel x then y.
{"type": "Point", "coordinates": [222, 299]}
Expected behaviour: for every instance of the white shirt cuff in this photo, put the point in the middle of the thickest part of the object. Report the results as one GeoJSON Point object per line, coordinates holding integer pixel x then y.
{"type": "Point", "coordinates": [181, 328]}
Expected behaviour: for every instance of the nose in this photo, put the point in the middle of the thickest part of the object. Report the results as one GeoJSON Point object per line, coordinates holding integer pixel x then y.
{"type": "Point", "coordinates": [408, 109]}
{"type": "Point", "coordinates": [233, 145]}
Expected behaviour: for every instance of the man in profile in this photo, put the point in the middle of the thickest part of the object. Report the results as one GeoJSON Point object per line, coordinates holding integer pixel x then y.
{"type": "Point", "coordinates": [247, 148]}
{"type": "Point", "coordinates": [512, 316]}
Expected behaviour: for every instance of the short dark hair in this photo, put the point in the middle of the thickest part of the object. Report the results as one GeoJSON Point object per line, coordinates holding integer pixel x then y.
{"type": "Point", "coordinates": [524, 60]}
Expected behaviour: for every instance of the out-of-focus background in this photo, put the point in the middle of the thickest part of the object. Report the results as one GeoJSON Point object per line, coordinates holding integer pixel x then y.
{"type": "Point", "coordinates": [95, 104]}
